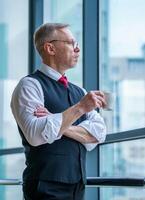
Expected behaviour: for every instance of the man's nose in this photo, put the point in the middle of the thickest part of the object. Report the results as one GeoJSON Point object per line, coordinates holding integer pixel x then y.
{"type": "Point", "coordinates": [77, 49]}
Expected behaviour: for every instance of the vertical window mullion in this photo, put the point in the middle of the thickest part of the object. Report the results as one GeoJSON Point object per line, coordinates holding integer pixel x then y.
{"type": "Point", "coordinates": [35, 20]}
{"type": "Point", "coordinates": [91, 74]}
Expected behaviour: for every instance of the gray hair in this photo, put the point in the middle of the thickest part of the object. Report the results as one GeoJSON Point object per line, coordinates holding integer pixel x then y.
{"type": "Point", "coordinates": [45, 33]}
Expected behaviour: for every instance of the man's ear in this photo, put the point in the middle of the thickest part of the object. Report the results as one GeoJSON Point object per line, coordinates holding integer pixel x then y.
{"type": "Point", "coordinates": [49, 48]}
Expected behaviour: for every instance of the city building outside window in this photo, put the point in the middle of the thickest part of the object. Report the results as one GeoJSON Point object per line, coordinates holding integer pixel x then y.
{"type": "Point", "coordinates": [122, 69]}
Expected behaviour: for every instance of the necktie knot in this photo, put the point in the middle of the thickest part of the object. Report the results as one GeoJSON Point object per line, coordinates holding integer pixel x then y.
{"type": "Point", "coordinates": [64, 81]}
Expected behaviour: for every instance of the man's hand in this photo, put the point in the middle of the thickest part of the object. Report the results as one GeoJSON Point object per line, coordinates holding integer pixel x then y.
{"type": "Point", "coordinates": [41, 112]}
{"type": "Point", "coordinates": [92, 100]}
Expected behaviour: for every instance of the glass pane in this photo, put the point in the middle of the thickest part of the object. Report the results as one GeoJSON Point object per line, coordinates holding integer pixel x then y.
{"type": "Point", "coordinates": [11, 167]}
{"type": "Point", "coordinates": [122, 61]}
{"type": "Point", "coordinates": [124, 159]}
{"type": "Point", "coordinates": [13, 63]}
{"type": "Point", "coordinates": [69, 12]}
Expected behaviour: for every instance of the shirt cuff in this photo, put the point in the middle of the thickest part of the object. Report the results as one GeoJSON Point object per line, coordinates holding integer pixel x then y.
{"type": "Point", "coordinates": [52, 129]}
{"type": "Point", "coordinates": [98, 130]}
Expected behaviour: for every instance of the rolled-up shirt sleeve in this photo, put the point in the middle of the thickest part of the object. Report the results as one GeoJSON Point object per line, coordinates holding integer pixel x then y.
{"type": "Point", "coordinates": [95, 125]}
{"type": "Point", "coordinates": [27, 96]}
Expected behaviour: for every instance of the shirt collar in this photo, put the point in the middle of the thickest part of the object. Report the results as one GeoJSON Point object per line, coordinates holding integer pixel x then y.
{"type": "Point", "coordinates": [50, 72]}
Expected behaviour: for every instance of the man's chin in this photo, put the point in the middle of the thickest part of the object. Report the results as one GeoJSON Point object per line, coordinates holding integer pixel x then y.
{"type": "Point", "coordinates": [74, 65]}
{"type": "Point", "coordinates": [75, 62]}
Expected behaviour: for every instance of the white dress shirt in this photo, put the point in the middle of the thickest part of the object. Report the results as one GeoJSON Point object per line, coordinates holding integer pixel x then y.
{"type": "Point", "coordinates": [28, 95]}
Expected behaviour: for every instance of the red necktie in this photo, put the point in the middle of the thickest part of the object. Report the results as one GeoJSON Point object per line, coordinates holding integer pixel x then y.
{"type": "Point", "coordinates": [64, 81]}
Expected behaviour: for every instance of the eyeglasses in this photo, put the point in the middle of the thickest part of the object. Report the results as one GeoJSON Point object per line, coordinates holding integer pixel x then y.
{"type": "Point", "coordinates": [74, 43]}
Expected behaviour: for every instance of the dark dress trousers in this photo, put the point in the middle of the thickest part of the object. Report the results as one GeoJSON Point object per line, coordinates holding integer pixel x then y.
{"type": "Point", "coordinates": [60, 165]}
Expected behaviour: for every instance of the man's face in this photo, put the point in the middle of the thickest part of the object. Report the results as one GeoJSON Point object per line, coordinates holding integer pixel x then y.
{"type": "Point", "coordinates": [66, 53]}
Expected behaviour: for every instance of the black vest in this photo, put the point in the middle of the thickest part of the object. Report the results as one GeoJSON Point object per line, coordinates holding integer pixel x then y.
{"type": "Point", "coordinates": [63, 160]}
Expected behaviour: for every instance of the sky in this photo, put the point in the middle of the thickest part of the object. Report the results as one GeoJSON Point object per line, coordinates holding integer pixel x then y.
{"type": "Point", "coordinates": [126, 27]}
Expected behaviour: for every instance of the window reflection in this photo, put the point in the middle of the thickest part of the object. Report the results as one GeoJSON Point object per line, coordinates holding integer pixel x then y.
{"type": "Point", "coordinates": [13, 63]}
{"type": "Point", "coordinates": [11, 167]}
{"type": "Point", "coordinates": [124, 159]}
{"type": "Point", "coordinates": [122, 66]}
{"type": "Point", "coordinates": [123, 62]}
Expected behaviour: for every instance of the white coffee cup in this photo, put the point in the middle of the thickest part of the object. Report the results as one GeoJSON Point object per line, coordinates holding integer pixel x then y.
{"type": "Point", "coordinates": [109, 98]}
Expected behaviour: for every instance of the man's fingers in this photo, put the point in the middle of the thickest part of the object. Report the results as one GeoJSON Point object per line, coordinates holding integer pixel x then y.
{"type": "Point", "coordinates": [40, 114]}
{"type": "Point", "coordinates": [103, 101]}
{"type": "Point", "coordinates": [99, 93]}
{"type": "Point", "coordinates": [99, 103]}
{"type": "Point", "coordinates": [42, 109]}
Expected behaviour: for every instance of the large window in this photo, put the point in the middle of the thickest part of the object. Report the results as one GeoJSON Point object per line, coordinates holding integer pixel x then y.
{"type": "Point", "coordinates": [122, 62]}
{"type": "Point", "coordinates": [68, 12]}
{"type": "Point", "coordinates": [122, 69]}
{"type": "Point", "coordinates": [13, 63]}
{"type": "Point", "coordinates": [13, 66]}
